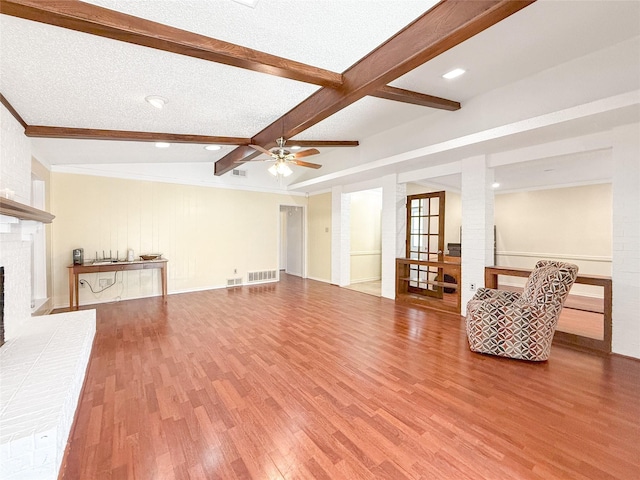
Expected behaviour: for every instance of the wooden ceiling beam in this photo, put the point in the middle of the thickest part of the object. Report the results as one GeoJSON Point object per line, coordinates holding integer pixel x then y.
{"type": "Point", "coordinates": [446, 25]}
{"type": "Point", "coordinates": [407, 96]}
{"type": "Point", "coordinates": [323, 143]}
{"type": "Point", "coordinates": [41, 131]}
{"type": "Point", "coordinates": [12, 111]}
{"type": "Point", "coordinates": [95, 20]}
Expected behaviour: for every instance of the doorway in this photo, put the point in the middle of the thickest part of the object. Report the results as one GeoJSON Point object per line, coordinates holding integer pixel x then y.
{"type": "Point", "coordinates": [291, 253]}
{"type": "Point", "coordinates": [366, 241]}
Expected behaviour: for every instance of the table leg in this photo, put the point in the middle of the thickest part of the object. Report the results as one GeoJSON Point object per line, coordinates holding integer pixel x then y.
{"type": "Point", "coordinates": [163, 272]}
{"type": "Point", "coordinates": [77, 288]}
{"type": "Point", "coordinates": [71, 287]}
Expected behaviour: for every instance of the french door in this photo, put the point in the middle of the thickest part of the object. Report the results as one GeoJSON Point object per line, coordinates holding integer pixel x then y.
{"type": "Point", "coordinates": [425, 241]}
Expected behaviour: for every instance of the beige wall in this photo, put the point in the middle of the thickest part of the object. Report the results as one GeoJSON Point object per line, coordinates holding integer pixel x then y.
{"type": "Point", "coordinates": [319, 237]}
{"type": "Point", "coordinates": [205, 233]}
{"type": "Point", "coordinates": [571, 224]}
{"type": "Point", "coordinates": [366, 241]}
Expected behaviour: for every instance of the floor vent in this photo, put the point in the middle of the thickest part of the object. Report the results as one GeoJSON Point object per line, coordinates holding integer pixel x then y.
{"type": "Point", "coordinates": [238, 173]}
{"type": "Point", "coordinates": [264, 276]}
{"type": "Point", "coordinates": [234, 282]}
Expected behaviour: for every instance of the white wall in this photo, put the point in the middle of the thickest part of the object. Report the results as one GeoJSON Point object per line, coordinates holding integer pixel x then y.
{"type": "Point", "coordinates": [568, 224]}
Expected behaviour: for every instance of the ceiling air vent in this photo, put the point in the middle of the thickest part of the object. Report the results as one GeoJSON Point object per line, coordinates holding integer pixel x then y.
{"type": "Point", "coordinates": [239, 173]}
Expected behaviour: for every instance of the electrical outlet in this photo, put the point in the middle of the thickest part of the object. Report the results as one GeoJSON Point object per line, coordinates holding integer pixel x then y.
{"type": "Point", "coordinates": [472, 287]}
{"type": "Point", "coordinates": [82, 284]}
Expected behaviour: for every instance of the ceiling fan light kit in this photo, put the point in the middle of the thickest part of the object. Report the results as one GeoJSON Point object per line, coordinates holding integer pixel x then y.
{"type": "Point", "coordinates": [280, 168]}
{"type": "Point", "coordinates": [284, 157]}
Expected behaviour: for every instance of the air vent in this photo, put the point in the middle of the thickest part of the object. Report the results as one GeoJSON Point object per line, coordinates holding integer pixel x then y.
{"type": "Point", "coordinates": [264, 276]}
{"type": "Point", "coordinates": [238, 173]}
{"type": "Point", "coordinates": [234, 282]}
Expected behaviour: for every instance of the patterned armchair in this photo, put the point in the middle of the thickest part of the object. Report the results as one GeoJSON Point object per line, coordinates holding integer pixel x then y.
{"type": "Point", "coordinates": [521, 326]}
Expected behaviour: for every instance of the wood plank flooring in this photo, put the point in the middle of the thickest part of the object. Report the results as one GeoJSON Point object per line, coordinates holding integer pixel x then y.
{"type": "Point", "coordinates": [303, 380]}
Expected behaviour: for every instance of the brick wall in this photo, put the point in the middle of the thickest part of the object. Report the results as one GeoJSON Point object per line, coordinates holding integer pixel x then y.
{"type": "Point", "coordinates": [15, 254]}
{"type": "Point", "coordinates": [477, 224]}
{"type": "Point", "coordinates": [626, 241]}
{"type": "Point", "coordinates": [42, 370]}
{"type": "Point", "coordinates": [340, 237]}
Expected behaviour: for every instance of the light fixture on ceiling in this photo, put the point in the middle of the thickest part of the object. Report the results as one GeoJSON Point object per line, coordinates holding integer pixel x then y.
{"type": "Point", "coordinates": [495, 185]}
{"type": "Point", "coordinates": [156, 101]}
{"type": "Point", "coordinates": [456, 72]}
{"type": "Point", "coordinates": [212, 148]}
{"type": "Point", "coordinates": [163, 144]}
{"type": "Point", "coordinates": [295, 147]}
{"type": "Point", "coordinates": [248, 3]}
{"type": "Point", "coordinates": [280, 168]}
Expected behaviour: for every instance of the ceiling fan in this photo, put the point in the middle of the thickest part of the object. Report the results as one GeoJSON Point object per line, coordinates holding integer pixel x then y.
{"type": "Point", "coordinates": [284, 157]}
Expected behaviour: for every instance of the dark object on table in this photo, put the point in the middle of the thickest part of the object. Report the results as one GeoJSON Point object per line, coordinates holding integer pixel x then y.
{"type": "Point", "coordinates": [151, 256]}
{"type": "Point", "coordinates": [455, 249]}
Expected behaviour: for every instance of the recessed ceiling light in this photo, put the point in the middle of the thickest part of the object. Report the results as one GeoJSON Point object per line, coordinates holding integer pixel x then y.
{"type": "Point", "coordinates": [248, 3]}
{"type": "Point", "coordinates": [456, 72]}
{"type": "Point", "coordinates": [212, 148]}
{"type": "Point", "coordinates": [295, 147]}
{"type": "Point", "coordinates": [156, 101]}
{"type": "Point", "coordinates": [495, 185]}
{"type": "Point", "coordinates": [163, 144]}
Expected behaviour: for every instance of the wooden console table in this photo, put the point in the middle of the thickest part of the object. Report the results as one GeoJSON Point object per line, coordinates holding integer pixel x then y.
{"type": "Point", "coordinates": [76, 270]}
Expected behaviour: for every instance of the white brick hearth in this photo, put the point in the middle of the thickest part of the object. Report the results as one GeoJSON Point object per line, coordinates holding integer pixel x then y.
{"type": "Point", "coordinates": [42, 370]}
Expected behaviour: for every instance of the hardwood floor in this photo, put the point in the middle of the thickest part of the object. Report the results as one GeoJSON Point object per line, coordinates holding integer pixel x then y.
{"type": "Point", "coordinates": [303, 380]}
{"type": "Point", "coordinates": [370, 288]}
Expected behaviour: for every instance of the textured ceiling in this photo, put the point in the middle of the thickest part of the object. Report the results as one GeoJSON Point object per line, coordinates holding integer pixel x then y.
{"type": "Point", "coordinates": [59, 77]}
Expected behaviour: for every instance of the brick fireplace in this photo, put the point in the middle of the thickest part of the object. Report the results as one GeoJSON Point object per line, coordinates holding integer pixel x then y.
{"type": "Point", "coordinates": [43, 360]}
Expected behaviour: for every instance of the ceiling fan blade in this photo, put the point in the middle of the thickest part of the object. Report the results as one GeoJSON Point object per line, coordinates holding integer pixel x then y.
{"type": "Point", "coordinates": [307, 153]}
{"type": "Point", "coordinates": [300, 163]}
{"type": "Point", "coordinates": [260, 149]}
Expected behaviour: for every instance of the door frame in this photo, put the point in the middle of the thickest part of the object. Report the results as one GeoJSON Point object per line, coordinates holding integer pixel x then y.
{"type": "Point", "coordinates": [303, 237]}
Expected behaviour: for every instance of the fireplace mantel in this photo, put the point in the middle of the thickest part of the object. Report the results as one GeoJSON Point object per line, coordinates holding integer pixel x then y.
{"type": "Point", "coordinates": [11, 208]}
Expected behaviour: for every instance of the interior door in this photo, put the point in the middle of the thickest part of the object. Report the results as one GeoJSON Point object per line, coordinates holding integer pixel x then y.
{"type": "Point", "coordinates": [425, 241]}
{"type": "Point", "coordinates": [295, 241]}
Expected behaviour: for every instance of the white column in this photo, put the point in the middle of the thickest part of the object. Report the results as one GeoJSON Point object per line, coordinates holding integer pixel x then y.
{"type": "Point", "coordinates": [625, 267]}
{"type": "Point", "coordinates": [477, 224]}
{"type": "Point", "coordinates": [393, 227]}
{"type": "Point", "coordinates": [340, 237]}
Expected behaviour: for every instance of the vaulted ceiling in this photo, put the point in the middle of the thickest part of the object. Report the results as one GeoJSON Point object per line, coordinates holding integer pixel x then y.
{"type": "Point", "coordinates": [233, 74]}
